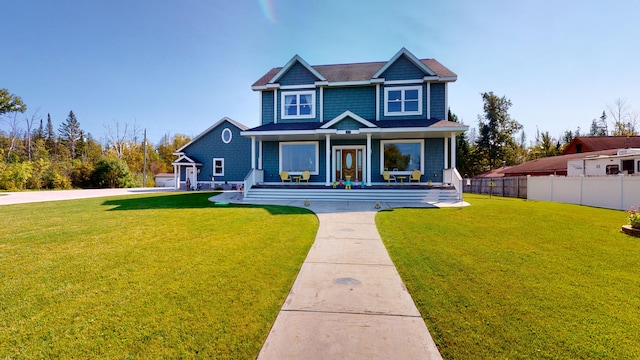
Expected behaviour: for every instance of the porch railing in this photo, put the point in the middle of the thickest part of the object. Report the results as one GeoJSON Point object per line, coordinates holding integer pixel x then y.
{"type": "Point", "coordinates": [255, 176]}
{"type": "Point", "coordinates": [452, 176]}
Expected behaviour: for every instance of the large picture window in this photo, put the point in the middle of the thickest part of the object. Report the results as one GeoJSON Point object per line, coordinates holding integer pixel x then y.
{"type": "Point", "coordinates": [405, 100]}
{"type": "Point", "coordinates": [402, 156]}
{"type": "Point", "coordinates": [296, 157]}
{"type": "Point", "coordinates": [298, 104]}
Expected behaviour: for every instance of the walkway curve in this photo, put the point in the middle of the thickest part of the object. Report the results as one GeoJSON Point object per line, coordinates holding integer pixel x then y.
{"type": "Point", "coordinates": [348, 300]}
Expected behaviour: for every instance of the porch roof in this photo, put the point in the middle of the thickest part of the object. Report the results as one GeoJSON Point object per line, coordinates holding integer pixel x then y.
{"type": "Point", "coordinates": [187, 160]}
{"type": "Point", "coordinates": [383, 129]}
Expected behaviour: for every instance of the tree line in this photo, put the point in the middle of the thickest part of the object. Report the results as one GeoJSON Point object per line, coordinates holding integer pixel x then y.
{"type": "Point", "coordinates": [499, 140]}
{"type": "Point", "coordinates": [34, 154]}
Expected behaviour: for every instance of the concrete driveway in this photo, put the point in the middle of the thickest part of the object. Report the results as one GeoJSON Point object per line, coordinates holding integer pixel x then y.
{"type": "Point", "coordinates": [8, 198]}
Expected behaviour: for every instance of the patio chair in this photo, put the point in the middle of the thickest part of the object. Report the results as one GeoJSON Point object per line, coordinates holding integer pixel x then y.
{"type": "Point", "coordinates": [415, 175]}
{"type": "Point", "coordinates": [284, 176]}
{"type": "Point", "coordinates": [304, 177]}
{"type": "Point", "coordinates": [388, 177]}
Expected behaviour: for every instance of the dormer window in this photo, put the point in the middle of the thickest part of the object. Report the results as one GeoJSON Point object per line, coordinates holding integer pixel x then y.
{"type": "Point", "coordinates": [298, 104]}
{"type": "Point", "coordinates": [405, 100]}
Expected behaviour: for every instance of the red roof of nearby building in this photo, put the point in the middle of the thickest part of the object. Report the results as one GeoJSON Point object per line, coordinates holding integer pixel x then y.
{"type": "Point", "coordinates": [554, 165]}
{"type": "Point", "coordinates": [494, 173]}
{"type": "Point", "coordinates": [597, 143]}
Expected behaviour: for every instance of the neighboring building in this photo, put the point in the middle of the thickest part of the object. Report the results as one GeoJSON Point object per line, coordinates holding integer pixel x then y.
{"type": "Point", "coordinates": [355, 120]}
{"type": "Point", "coordinates": [165, 180]}
{"type": "Point", "coordinates": [219, 156]}
{"type": "Point", "coordinates": [584, 144]}
{"type": "Point", "coordinates": [625, 162]}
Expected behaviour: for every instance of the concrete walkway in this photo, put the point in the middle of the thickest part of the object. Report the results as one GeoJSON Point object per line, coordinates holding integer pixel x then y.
{"type": "Point", "coordinates": [348, 301]}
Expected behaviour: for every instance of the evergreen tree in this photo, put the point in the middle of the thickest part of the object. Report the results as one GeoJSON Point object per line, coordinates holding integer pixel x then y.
{"type": "Point", "coordinates": [70, 133]}
{"type": "Point", "coordinates": [496, 143]}
{"type": "Point", "coordinates": [50, 139]}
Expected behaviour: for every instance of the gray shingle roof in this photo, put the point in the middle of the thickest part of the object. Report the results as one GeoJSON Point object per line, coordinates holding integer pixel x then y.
{"type": "Point", "coordinates": [356, 72]}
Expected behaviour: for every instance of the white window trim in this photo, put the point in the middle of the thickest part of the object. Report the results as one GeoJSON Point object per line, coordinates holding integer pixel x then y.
{"type": "Point", "coordinates": [283, 114]}
{"type": "Point", "coordinates": [225, 131]}
{"type": "Point", "coordinates": [422, 155]}
{"type": "Point", "coordinates": [214, 166]}
{"type": "Point", "coordinates": [315, 171]}
{"type": "Point", "coordinates": [403, 89]}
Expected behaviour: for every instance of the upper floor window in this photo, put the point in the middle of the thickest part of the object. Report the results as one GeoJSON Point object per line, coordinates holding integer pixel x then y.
{"type": "Point", "coordinates": [405, 100]}
{"type": "Point", "coordinates": [298, 104]}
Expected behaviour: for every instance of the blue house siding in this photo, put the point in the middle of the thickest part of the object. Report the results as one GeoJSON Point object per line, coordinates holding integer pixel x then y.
{"type": "Point", "coordinates": [402, 69]}
{"type": "Point", "coordinates": [297, 75]}
{"type": "Point", "coordinates": [437, 101]}
{"type": "Point", "coordinates": [433, 159]}
{"type": "Point", "coordinates": [267, 107]}
{"type": "Point", "coordinates": [237, 160]}
{"type": "Point", "coordinates": [358, 100]}
{"type": "Point", "coordinates": [279, 108]}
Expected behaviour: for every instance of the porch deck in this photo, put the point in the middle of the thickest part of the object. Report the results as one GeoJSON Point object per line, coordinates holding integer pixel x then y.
{"type": "Point", "coordinates": [416, 193]}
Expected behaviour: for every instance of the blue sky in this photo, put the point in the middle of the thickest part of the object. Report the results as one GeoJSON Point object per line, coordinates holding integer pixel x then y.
{"type": "Point", "coordinates": [180, 66]}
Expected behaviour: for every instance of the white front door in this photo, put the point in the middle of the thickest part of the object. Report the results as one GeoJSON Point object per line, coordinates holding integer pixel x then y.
{"type": "Point", "coordinates": [191, 178]}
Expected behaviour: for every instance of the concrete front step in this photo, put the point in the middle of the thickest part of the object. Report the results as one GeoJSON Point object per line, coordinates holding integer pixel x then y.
{"type": "Point", "coordinates": [434, 195]}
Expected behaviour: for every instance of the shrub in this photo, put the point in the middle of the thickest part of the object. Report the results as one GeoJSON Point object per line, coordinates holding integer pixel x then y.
{"type": "Point", "coordinates": [633, 216]}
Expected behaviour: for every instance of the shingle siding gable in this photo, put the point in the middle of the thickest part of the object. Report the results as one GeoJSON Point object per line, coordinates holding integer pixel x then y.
{"type": "Point", "coordinates": [347, 124]}
{"type": "Point", "coordinates": [297, 75]}
{"type": "Point", "coordinates": [237, 160]}
{"type": "Point", "coordinates": [402, 69]}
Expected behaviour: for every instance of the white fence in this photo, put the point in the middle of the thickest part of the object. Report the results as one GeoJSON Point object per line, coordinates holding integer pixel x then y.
{"type": "Point", "coordinates": [612, 192]}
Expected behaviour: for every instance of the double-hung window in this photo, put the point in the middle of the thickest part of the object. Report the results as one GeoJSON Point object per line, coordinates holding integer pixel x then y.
{"type": "Point", "coordinates": [296, 157]}
{"type": "Point", "coordinates": [218, 167]}
{"type": "Point", "coordinates": [298, 104]}
{"type": "Point", "coordinates": [404, 100]}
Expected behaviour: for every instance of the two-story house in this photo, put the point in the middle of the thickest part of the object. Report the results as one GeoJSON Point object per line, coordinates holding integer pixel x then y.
{"type": "Point", "coordinates": [365, 122]}
{"type": "Point", "coordinates": [355, 120]}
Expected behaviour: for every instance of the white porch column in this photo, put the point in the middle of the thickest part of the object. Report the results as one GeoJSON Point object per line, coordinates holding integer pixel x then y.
{"type": "Point", "coordinates": [327, 154]}
{"type": "Point", "coordinates": [369, 159]}
{"type": "Point", "coordinates": [253, 152]}
{"type": "Point", "coordinates": [176, 177]}
{"type": "Point", "coordinates": [446, 153]}
{"type": "Point", "coordinates": [260, 154]}
{"type": "Point", "coordinates": [453, 150]}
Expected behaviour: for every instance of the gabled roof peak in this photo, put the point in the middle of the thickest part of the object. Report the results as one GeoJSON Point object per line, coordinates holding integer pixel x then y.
{"type": "Point", "coordinates": [412, 58]}
{"type": "Point", "coordinates": [296, 59]}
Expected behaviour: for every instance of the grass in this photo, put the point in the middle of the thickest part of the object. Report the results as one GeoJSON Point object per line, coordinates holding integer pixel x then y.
{"type": "Point", "coordinates": [147, 276]}
{"type": "Point", "coordinates": [509, 278]}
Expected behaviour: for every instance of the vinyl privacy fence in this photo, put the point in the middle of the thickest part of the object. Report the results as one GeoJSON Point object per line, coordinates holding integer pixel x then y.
{"type": "Point", "coordinates": [619, 192]}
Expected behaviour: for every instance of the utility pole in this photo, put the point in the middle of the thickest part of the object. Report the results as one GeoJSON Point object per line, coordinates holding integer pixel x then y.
{"type": "Point", "coordinates": [144, 166]}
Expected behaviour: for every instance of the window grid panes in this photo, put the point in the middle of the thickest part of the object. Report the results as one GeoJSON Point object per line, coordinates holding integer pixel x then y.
{"type": "Point", "coordinates": [403, 101]}
{"type": "Point", "coordinates": [298, 104]}
{"type": "Point", "coordinates": [218, 167]}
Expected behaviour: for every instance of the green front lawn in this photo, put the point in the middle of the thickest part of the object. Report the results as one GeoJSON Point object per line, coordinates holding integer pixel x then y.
{"type": "Point", "coordinates": [148, 276]}
{"type": "Point", "coordinates": [508, 278]}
